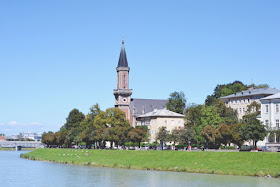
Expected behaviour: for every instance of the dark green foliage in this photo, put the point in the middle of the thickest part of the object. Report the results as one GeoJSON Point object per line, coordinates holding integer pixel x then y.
{"type": "Point", "coordinates": [138, 135]}
{"type": "Point", "coordinates": [74, 119]}
{"type": "Point", "coordinates": [253, 130]}
{"type": "Point", "coordinates": [222, 90]}
{"type": "Point", "coordinates": [176, 102]}
{"type": "Point", "coordinates": [186, 134]}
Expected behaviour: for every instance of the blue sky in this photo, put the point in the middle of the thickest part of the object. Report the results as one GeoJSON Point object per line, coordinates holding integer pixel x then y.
{"type": "Point", "coordinates": [60, 55]}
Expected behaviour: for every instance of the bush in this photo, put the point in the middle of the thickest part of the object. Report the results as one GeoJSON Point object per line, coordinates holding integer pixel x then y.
{"type": "Point", "coordinates": [228, 147]}
{"type": "Point", "coordinates": [181, 146]}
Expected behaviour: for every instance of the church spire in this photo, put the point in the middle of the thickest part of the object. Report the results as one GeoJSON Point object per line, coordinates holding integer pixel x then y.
{"type": "Point", "coordinates": [122, 59]}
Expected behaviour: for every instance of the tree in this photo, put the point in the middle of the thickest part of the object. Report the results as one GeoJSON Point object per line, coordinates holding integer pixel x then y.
{"type": "Point", "coordinates": [174, 136]}
{"type": "Point", "coordinates": [211, 117]}
{"type": "Point", "coordinates": [138, 135]}
{"type": "Point", "coordinates": [253, 130]}
{"type": "Point", "coordinates": [116, 117]}
{"type": "Point", "coordinates": [224, 134]}
{"type": "Point", "coordinates": [176, 102]}
{"type": "Point", "coordinates": [162, 135]}
{"type": "Point", "coordinates": [47, 138]}
{"type": "Point", "coordinates": [236, 138]}
{"type": "Point", "coordinates": [187, 134]}
{"type": "Point", "coordinates": [74, 119]}
{"type": "Point", "coordinates": [210, 134]}
{"type": "Point", "coordinates": [228, 115]}
{"type": "Point", "coordinates": [122, 133]}
{"type": "Point", "coordinates": [253, 108]}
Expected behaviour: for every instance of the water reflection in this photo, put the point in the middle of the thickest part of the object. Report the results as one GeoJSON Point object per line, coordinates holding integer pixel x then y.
{"type": "Point", "coordinates": [20, 172]}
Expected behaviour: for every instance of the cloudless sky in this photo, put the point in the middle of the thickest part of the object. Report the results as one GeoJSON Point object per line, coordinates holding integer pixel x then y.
{"type": "Point", "coordinates": [60, 55]}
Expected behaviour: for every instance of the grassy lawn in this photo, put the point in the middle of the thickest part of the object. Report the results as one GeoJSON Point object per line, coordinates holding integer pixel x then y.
{"type": "Point", "coordinates": [226, 163]}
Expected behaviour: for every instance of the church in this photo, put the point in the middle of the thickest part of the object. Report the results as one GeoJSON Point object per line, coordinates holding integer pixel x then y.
{"type": "Point", "coordinates": [131, 106]}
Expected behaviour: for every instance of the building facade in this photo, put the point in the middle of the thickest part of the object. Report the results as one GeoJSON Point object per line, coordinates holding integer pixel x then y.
{"type": "Point", "coordinates": [270, 117]}
{"type": "Point", "coordinates": [130, 106]}
{"type": "Point", "coordinates": [239, 101]}
{"type": "Point", "coordinates": [160, 118]}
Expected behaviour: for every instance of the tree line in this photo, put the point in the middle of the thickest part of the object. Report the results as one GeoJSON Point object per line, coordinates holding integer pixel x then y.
{"type": "Point", "coordinates": [213, 123]}
{"type": "Point", "coordinates": [97, 127]}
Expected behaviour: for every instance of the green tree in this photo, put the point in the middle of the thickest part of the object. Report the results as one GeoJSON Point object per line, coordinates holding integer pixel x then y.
{"type": "Point", "coordinates": [210, 134]}
{"type": "Point", "coordinates": [224, 134]}
{"type": "Point", "coordinates": [253, 108]}
{"type": "Point", "coordinates": [186, 134]}
{"type": "Point", "coordinates": [137, 135]}
{"type": "Point", "coordinates": [228, 115]}
{"type": "Point", "coordinates": [47, 138]}
{"type": "Point", "coordinates": [116, 117]}
{"type": "Point", "coordinates": [211, 117]}
{"type": "Point", "coordinates": [174, 136]}
{"type": "Point", "coordinates": [253, 130]}
{"type": "Point", "coordinates": [74, 119]}
{"type": "Point", "coordinates": [236, 138]}
{"type": "Point", "coordinates": [176, 102]}
{"type": "Point", "coordinates": [162, 136]}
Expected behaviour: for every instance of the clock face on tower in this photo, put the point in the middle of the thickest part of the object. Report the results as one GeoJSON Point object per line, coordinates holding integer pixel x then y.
{"type": "Point", "coordinates": [124, 100]}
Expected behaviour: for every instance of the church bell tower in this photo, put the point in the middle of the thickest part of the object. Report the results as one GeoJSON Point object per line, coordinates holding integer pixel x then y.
{"type": "Point", "coordinates": [123, 93]}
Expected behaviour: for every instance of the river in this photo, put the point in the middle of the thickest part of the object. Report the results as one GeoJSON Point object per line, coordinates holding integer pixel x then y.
{"type": "Point", "coordinates": [16, 171]}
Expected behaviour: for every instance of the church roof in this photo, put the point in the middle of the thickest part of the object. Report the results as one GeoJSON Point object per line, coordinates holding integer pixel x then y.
{"type": "Point", "coordinates": [252, 92]}
{"type": "Point", "coordinates": [142, 106]}
{"type": "Point", "coordinates": [122, 59]}
{"type": "Point", "coordinates": [161, 113]}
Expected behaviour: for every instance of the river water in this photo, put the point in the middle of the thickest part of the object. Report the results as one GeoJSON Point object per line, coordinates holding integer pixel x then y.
{"type": "Point", "coordinates": [15, 171]}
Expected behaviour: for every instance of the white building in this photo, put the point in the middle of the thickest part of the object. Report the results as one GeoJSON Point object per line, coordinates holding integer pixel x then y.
{"type": "Point", "coordinates": [270, 116]}
{"type": "Point", "coordinates": [32, 136]}
{"type": "Point", "coordinates": [159, 118]}
{"type": "Point", "coordinates": [239, 101]}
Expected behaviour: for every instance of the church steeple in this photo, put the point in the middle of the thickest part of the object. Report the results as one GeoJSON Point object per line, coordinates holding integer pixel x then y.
{"type": "Point", "coordinates": [122, 59]}
{"type": "Point", "coordinates": [123, 93]}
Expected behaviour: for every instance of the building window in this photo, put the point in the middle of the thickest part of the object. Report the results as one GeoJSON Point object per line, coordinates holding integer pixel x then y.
{"type": "Point", "coordinates": [172, 122]}
{"type": "Point", "coordinates": [266, 122]}
{"type": "Point", "coordinates": [277, 108]}
{"type": "Point", "coordinates": [165, 122]}
{"type": "Point", "coordinates": [266, 108]}
{"type": "Point", "coordinates": [240, 110]}
{"type": "Point", "coordinates": [152, 131]}
{"type": "Point", "coordinates": [277, 123]}
{"type": "Point", "coordinates": [179, 123]}
{"type": "Point", "coordinates": [124, 79]}
{"type": "Point", "coordinates": [248, 100]}
{"type": "Point", "coordinates": [243, 110]}
{"type": "Point", "coordinates": [152, 123]}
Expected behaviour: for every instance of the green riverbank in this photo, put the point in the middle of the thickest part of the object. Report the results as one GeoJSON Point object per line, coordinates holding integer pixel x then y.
{"type": "Point", "coordinates": [225, 163]}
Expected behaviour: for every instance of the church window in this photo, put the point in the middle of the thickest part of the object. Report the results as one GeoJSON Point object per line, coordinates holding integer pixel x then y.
{"type": "Point", "coordinates": [277, 108]}
{"type": "Point", "coordinates": [277, 123]}
{"type": "Point", "coordinates": [124, 81]}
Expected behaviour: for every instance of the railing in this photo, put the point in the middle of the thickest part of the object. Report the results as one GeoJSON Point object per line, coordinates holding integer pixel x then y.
{"type": "Point", "coordinates": [21, 143]}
